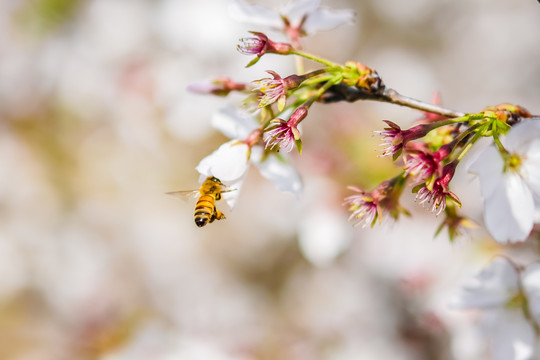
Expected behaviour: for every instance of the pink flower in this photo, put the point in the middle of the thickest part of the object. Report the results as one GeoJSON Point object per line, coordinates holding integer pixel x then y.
{"type": "Point", "coordinates": [285, 134]}
{"type": "Point", "coordinates": [423, 163]}
{"type": "Point", "coordinates": [363, 207]}
{"type": "Point", "coordinates": [367, 207]}
{"type": "Point", "coordinates": [437, 193]}
{"type": "Point", "coordinates": [221, 86]}
{"type": "Point", "coordinates": [261, 45]}
{"type": "Point", "coordinates": [276, 89]}
{"type": "Point", "coordinates": [396, 138]}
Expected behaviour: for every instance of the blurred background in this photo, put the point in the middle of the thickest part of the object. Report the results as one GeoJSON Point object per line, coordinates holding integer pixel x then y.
{"type": "Point", "coordinates": [96, 262]}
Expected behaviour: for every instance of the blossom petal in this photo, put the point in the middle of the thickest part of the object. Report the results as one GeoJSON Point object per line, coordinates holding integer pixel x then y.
{"type": "Point", "coordinates": [512, 336]}
{"type": "Point", "coordinates": [531, 285]}
{"type": "Point", "coordinates": [530, 169]}
{"type": "Point", "coordinates": [493, 287]}
{"type": "Point", "coordinates": [233, 122]}
{"type": "Point", "coordinates": [326, 19]}
{"type": "Point", "coordinates": [254, 14]}
{"type": "Point", "coordinates": [277, 169]}
{"type": "Point", "coordinates": [488, 166]}
{"type": "Point", "coordinates": [296, 10]}
{"type": "Point", "coordinates": [521, 134]}
{"type": "Point", "coordinates": [230, 197]}
{"type": "Point", "coordinates": [228, 163]}
{"type": "Point", "coordinates": [509, 211]}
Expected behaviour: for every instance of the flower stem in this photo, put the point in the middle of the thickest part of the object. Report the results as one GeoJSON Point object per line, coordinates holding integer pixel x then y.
{"type": "Point", "coordinates": [315, 58]}
{"type": "Point", "coordinates": [499, 143]}
{"type": "Point", "coordinates": [470, 143]}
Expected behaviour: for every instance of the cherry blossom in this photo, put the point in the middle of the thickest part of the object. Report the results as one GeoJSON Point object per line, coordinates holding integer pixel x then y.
{"type": "Point", "coordinates": [508, 298]}
{"type": "Point", "coordinates": [368, 207]}
{"type": "Point", "coordinates": [221, 86]}
{"type": "Point", "coordinates": [300, 17]}
{"type": "Point", "coordinates": [231, 161]}
{"type": "Point", "coordinates": [276, 89]}
{"type": "Point", "coordinates": [395, 139]}
{"type": "Point", "coordinates": [437, 193]}
{"type": "Point", "coordinates": [509, 182]}
{"type": "Point", "coordinates": [424, 163]}
{"type": "Point", "coordinates": [285, 134]}
{"type": "Point", "coordinates": [260, 45]}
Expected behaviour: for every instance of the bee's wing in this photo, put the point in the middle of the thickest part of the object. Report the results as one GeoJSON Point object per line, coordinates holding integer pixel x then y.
{"type": "Point", "coordinates": [230, 196]}
{"type": "Point", "coordinates": [185, 194]}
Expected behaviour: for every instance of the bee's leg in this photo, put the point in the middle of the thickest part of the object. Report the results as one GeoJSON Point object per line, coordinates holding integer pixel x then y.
{"type": "Point", "coordinates": [218, 197]}
{"type": "Point", "coordinates": [217, 215]}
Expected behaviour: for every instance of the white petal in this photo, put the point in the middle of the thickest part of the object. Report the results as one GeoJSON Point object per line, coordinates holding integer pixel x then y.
{"type": "Point", "coordinates": [530, 169]}
{"type": "Point", "coordinates": [512, 336]}
{"type": "Point", "coordinates": [233, 122]}
{"type": "Point", "coordinates": [228, 163]}
{"type": "Point", "coordinates": [326, 19]}
{"type": "Point", "coordinates": [488, 166]}
{"type": "Point", "coordinates": [230, 197]}
{"type": "Point", "coordinates": [277, 169]}
{"type": "Point", "coordinates": [254, 14]}
{"type": "Point", "coordinates": [521, 134]}
{"type": "Point", "coordinates": [531, 284]}
{"type": "Point", "coordinates": [509, 211]}
{"type": "Point", "coordinates": [296, 10]}
{"type": "Point", "coordinates": [493, 287]}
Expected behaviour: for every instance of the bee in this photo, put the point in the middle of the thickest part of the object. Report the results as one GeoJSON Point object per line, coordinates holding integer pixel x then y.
{"type": "Point", "coordinates": [205, 209]}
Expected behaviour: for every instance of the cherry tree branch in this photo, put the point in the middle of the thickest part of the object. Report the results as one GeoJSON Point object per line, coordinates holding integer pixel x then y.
{"type": "Point", "coordinates": [343, 92]}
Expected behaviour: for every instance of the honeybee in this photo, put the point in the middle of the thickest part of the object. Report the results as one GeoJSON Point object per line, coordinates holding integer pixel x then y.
{"type": "Point", "coordinates": [205, 209]}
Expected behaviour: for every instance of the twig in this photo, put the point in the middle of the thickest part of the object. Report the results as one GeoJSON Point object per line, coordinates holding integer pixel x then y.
{"type": "Point", "coordinates": [342, 92]}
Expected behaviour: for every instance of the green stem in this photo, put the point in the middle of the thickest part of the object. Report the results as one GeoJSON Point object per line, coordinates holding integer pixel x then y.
{"type": "Point", "coordinates": [445, 122]}
{"type": "Point", "coordinates": [315, 58]}
{"type": "Point", "coordinates": [467, 147]}
{"type": "Point", "coordinates": [499, 143]}
{"type": "Point", "coordinates": [299, 65]}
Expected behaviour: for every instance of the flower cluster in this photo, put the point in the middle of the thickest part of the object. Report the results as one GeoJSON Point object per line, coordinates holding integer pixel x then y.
{"type": "Point", "coordinates": [430, 151]}
{"type": "Point", "coordinates": [509, 171]}
{"type": "Point", "coordinates": [428, 154]}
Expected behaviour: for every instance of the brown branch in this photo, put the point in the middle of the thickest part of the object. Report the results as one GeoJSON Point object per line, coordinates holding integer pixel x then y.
{"type": "Point", "coordinates": [342, 92]}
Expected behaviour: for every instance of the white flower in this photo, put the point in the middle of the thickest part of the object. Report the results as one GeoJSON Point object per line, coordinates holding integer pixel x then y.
{"type": "Point", "coordinates": [509, 189]}
{"type": "Point", "coordinates": [316, 17]}
{"type": "Point", "coordinates": [498, 292]}
{"type": "Point", "coordinates": [231, 161]}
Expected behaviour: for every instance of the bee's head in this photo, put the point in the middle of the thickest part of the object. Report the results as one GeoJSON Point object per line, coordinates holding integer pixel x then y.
{"type": "Point", "coordinates": [216, 180]}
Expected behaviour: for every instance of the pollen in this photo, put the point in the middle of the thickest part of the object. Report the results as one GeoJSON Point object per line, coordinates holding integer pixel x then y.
{"type": "Point", "coordinates": [513, 163]}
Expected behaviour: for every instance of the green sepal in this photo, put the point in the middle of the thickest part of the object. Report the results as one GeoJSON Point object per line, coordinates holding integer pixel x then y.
{"type": "Point", "coordinates": [396, 154]}
{"type": "Point", "coordinates": [282, 101]}
{"type": "Point", "coordinates": [430, 181]}
{"type": "Point", "coordinates": [417, 188]}
{"type": "Point", "coordinates": [296, 133]}
{"type": "Point", "coordinates": [453, 198]}
{"type": "Point", "coordinates": [439, 229]}
{"type": "Point", "coordinates": [253, 62]}
{"type": "Point", "coordinates": [298, 145]}
{"type": "Point", "coordinates": [500, 127]}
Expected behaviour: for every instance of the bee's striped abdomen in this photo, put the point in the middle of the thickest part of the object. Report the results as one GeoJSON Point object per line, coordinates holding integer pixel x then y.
{"type": "Point", "coordinates": [204, 209]}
